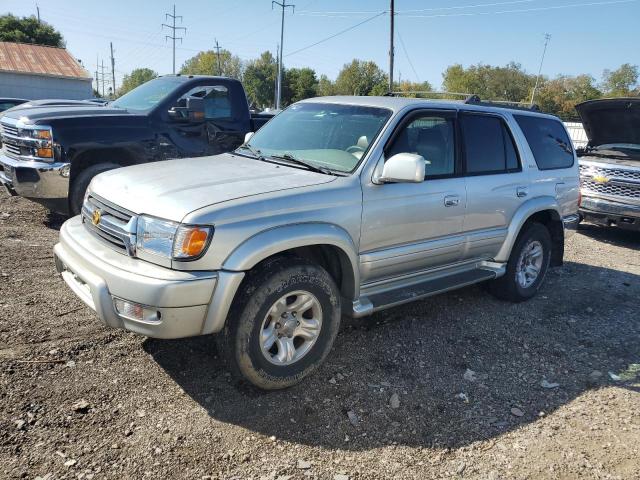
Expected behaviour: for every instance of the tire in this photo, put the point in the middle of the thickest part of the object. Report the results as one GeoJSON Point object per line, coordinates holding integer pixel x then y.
{"type": "Point", "coordinates": [81, 182]}
{"type": "Point", "coordinates": [248, 355]}
{"type": "Point", "coordinates": [513, 286]}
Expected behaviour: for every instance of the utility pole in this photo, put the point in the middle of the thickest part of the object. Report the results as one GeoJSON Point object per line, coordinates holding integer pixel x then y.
{"type": "Point", "coordinates": [392, 14]}
{"type": "Point", "coordinates": [97, 81]}
{"type": "Point", "coordinates": [282, 5]}
{"type": "Point", "coordinates": [217, 47]}
{"type": "Point", "coordinates": [547, 37]}
{"type": "Point", "coordinates": [275, 90]}
{"type": "Point", "coordinates": [173, 33]}
{"type": "Point", "coordinates": [102, 76]}
{"type": "Point", "coordinates": [113, 70]}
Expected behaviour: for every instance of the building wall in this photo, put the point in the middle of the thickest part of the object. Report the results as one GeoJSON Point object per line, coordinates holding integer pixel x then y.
{"type": "Point", "coordinates": [36, 87]}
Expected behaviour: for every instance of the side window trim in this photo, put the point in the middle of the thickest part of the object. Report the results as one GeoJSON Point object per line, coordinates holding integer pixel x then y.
{"type": "Point", "coordinates": [505, 125]}
{"type": "Point", "coordinates": [421, 112]}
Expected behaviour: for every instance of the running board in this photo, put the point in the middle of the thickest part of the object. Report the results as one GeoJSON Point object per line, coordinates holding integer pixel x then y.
{"type": "Point", "coordinates": [379, 301]}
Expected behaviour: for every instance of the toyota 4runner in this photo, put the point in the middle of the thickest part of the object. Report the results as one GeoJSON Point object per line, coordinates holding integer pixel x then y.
{"type": "Point", "coordinates": [340, 205]}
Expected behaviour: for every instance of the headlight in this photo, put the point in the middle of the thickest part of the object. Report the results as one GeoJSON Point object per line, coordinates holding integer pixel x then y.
{"type": "Point", "coordinates": [40, 141]}
{"type": "Point", "coordinates": [170, 239]}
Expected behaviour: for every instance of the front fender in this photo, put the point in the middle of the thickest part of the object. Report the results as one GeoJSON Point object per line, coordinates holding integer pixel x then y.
{"type": "Point", "coordinates": [279, 239]}
{"type": "Point", "coordinates": [525, 211]}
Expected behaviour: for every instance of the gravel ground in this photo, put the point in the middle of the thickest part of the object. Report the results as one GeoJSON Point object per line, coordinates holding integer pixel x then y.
{"type": "Point", "coordinates": [457, 386]}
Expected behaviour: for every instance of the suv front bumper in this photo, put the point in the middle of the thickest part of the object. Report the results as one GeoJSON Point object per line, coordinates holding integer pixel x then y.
{"type": "Point", "coordinates": [189, 303]}
{"type": "Point", "coordinates": [608, 213]}
{"type": "Point", "coordinates": [46, 183]}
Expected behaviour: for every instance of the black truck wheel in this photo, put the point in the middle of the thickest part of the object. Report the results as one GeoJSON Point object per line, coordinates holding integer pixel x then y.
{"type": "Point", "coordinates": [81, 182]}
{"type": "Point", "coordinates": [283, 323]}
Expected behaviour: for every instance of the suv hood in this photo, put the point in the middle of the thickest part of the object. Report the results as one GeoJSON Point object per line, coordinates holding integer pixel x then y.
{"type": "Point", "coordinates": [173, 188]}
{"type": "Point", "coordinates": [614, 120]}
{"type": "Point", "coordinates": [48, 112]}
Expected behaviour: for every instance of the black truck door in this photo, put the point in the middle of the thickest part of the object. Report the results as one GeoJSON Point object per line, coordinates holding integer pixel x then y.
{"type": "Point", "coordinates": [221, 130]}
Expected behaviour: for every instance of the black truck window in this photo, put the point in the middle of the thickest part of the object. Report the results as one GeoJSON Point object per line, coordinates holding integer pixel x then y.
{"type": "Point", "coordinates": [217, 102]}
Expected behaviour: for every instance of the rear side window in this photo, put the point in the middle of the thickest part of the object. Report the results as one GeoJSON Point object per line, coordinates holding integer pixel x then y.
{"type": "Point", "coordinates": [548, 140]}
{"type": "Point", "coordinates": [488, 145]}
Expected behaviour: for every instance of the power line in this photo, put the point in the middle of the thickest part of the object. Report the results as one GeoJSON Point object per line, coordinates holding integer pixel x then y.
{"type": "Point", "coordinates": [547, 37]}
{"type": "Point", "coordinates": [284, 6]}
{"type": "Point", "coordinates": [336, 34]}
{"type": "Point", "coordinates": [524, 10]}
{"type": "Point", "coordinates": [173, 32]}
{"type": "Point", "coordinates": [460, 7]}
{"type": "Point", "coordinates": [406, 54]}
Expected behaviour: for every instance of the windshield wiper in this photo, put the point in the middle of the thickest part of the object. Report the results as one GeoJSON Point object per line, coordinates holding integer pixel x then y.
{"type": "Point", "coordinates": [254, 151]}
{"type": "Point", "coordinates": [310, 166]}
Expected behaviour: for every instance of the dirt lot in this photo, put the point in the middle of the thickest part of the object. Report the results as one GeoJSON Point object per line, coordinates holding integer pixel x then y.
{"type": "Point", "coordinates": [473, 378]}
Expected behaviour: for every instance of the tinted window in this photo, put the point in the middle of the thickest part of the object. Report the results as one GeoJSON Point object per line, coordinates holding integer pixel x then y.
{"type": "Point", "coordinates": [488, 145]}
{"type": "Point", "coordinates": [432, 137]}
{"type": "Point", "coordinates": [548, 140]}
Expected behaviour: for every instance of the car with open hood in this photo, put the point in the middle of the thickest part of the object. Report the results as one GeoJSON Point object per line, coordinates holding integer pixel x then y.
{"type": "Point", "coordinates": [610, 163]}
{"type": "Point", "coordinates": [339, 205]}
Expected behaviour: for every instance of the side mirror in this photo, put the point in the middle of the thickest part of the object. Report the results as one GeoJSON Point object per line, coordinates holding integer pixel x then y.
{"type": "Point", "coordinates": [248, 136]}
{"type": "Point", "coordinates": [193, 111]}
{"type": "Point", "coordinates": [403, 168]}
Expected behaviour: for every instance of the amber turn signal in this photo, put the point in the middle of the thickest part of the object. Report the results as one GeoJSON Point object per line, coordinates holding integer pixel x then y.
{"type": "Point", "coordinates": [194, 242]}
{"type": "Point", "coordinates": [44, 152]}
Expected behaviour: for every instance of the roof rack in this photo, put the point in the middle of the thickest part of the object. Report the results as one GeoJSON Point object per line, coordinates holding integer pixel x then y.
{"type": "Point", "coordinates": [475, 100]}
{"type": "Point", "coordinates": [428, 92]}
{"type": "Point", "coordinates": [471, 99]}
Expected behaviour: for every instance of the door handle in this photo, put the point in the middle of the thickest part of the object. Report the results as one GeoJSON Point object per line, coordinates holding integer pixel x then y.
{"type": "Point", "coordinates": [522, 192]}
{"type": "Point", "coordinates": [451, 200]}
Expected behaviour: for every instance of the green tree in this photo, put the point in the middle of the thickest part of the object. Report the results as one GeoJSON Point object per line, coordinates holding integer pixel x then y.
{"type": "Point", "coordinates": [361, 78]}
{"type": "Point", "coordinates": [135, 78]}
{"type": "Point", "coordinates": [620, 82]}
{"type": "Point", "coordinates": [206, 63]}
{"type": "Point", "coordinates": [260, 79]}
{"type": "Point", "coordinates": [300, 83]}
{"type": "Point", "coordinates": [560, 95]}
{"type": "Point", "coordinates": [325, 87]}
{"type": "Point", "coordinates": [29, 30]}
{"type": "Point", "coordinates": [510, 83]}
{"type": "Point", "coordinates": [408, 88]}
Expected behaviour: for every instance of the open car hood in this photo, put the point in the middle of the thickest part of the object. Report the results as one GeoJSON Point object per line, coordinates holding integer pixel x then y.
{"type": "Point", "coordinates": [611, 120]}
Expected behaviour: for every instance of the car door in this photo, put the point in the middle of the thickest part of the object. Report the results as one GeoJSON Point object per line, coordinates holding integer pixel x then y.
{"type": "Point", "coordinates": [219, 131]}
{"type": "Point", "coordinates": [496, 183]}
{"type": "Point", "coordinates": [408, 227]}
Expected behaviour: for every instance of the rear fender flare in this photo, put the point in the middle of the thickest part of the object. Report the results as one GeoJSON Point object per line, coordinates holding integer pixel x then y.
{"type": "Point", "coordinates": [521, 216]}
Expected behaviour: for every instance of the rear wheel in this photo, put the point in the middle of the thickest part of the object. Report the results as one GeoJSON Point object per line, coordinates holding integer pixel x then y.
{"type": "Point", "coordinates": [527, 265]}
{"type": "Point", "coordinates": [284, 321]}
{"type": "Point", "coordinates": [81, 182]}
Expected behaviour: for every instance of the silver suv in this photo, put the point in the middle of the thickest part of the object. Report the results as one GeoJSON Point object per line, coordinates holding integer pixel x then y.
{"type": "Point", "coordinates": [340, 205]}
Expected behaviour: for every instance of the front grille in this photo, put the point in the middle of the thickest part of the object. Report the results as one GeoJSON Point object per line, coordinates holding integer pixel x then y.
{"type": "Point", "coordinates": [9, 129]}
{"type": "Point", "coordinates": [610, 172]}
{"type": "Point", "coordinates": [11, 149]}
{"type": "Point", "coordinates": [610, 189]}
{"type": "Point", "coordinates": [116, 226]}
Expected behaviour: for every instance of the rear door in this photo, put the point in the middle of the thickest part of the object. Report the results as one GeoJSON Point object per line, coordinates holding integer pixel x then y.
{"type": "Point", "coordinates": [408, 227]}
{"type": "Point", "coordinates": [497, 184]}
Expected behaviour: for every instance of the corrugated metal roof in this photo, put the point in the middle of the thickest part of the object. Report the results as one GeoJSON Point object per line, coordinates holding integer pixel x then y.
{"type": "Point", "coordinates": [39, 60]}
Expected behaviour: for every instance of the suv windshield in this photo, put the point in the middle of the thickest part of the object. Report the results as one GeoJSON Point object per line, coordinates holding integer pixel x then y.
{"type": "Point", "coordinates": [147, 95]}
{"type": "Point", "coordinates": [325, 135]}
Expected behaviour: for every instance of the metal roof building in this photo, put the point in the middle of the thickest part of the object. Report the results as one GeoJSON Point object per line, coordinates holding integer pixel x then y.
{"type": "Point", "coordinates": [36, 71]}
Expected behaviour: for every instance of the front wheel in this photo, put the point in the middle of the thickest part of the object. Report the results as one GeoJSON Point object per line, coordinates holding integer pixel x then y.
{"type": "Point", "coordinates": [284, 321]}
{"type": "Point", "coordinates": [527, 265]}
{"type": "Point", "coordinates": [82, 181]}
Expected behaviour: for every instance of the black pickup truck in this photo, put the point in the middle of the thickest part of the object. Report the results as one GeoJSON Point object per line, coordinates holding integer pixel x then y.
{"type": "Point", "coordinates": [51, 153]}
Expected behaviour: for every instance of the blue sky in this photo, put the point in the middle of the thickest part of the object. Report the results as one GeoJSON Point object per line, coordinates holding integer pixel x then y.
{"type": "Point", "coordinates": [587, 35]}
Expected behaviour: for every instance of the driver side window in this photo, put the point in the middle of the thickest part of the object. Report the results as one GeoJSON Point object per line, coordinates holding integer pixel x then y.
{"type": "Point", "coordinates": [217, 104]}
{"type": "Point", "coordinates": [432, 137]}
